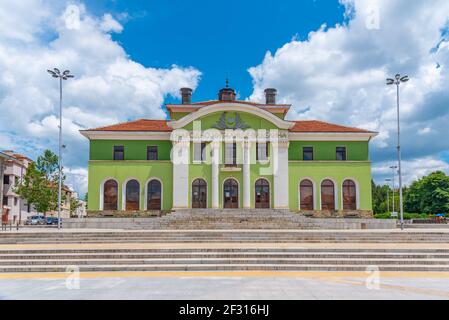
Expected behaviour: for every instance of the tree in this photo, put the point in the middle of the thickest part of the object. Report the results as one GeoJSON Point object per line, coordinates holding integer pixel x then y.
{"type": "Point", "coordinates": [48, 165]}
{"type": "Point", "coordinates": [379, 195]}
{"type": "Point", "coordinates": [39, 186]}
{"type": "Point", "coordinates": [74, 204]}
{"type": "Point", "coordinates": [429, 194]}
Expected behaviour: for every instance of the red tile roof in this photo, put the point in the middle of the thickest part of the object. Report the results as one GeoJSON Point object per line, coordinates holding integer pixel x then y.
{"type": "Point", "coordinates": [321, 126]}
{"type": "Point", "coordinates": [143, 125]}
{"type": "Point", "coordinates": [137, 125]}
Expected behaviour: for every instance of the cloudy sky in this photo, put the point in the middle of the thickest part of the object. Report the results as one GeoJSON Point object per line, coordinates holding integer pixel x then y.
{"type": "Point", "coordinates": [327, 58]}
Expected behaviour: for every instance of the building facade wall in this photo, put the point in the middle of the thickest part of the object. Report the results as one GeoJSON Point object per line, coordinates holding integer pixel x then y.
{"type": "Point", "coordinates": [284, 183]}
{"type": "Point", "coordinates": [359, 172]}
{"type": "Point", "coordinates": [122, 171]}
{"type": "Point", "coordinates": [316, 171]}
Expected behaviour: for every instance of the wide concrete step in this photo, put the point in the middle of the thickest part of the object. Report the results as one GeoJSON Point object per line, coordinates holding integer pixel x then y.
{"type": "Point", "coordinates": [227, 267]}
{"type": "Point", "coordinates": [229, 250]}
{"type": "Point", "coordinates": [220, 255]}
{"type": "Point", "coordinates": [222, 233]}
{"type": "Point", "coordinates": [261, 241]}
{"type": "Point", "coordinates": [223, 261]}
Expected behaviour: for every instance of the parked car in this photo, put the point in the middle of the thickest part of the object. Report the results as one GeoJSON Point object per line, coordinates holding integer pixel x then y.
{"type": "Point", "coordinates": [35, 220]}
{"type": "Point", "coordinates": [52, 220]}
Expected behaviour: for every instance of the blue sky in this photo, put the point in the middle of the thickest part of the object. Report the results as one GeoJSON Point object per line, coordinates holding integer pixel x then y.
{"type": "Point", "coordinates": [220, 38]}
{"type": "Point", "coordinates": [328, 58]}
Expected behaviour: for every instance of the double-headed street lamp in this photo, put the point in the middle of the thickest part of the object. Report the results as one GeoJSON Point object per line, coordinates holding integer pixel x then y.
{"type": "Point", "coordinates": [55, 73]}
{"type": "Point", "coordinates": [398, 79]}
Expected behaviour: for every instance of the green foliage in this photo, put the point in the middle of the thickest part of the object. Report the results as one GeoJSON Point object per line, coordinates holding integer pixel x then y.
{"type": "Point", "coordinates": [429, 194]}
{"type": "Point", "coordinates": [407, 216]}
{"type": "Point", "coordinates": [48, 165]}
{"type": "Point", "coordinates": [39, 186]}
{"type": "Point", "coordinates": [74, 204]}
{"type": "Point", "coordinates": [379, 198]}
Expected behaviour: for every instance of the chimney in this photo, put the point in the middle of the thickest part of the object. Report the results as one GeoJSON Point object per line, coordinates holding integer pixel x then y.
{"type": "Point", "coordinates": [270, 96]}
{"type": "Point", "coordinates": [226, 94]}
{"type": "Point", "coordinates": [186, 94]}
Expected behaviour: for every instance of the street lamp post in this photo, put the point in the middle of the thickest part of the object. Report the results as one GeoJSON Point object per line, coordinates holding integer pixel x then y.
{"type": "Point", "coordinates": [55, 73]}
{"type": "Point", "coordinates": [393, 184]}
{"type": "Point", "coordinates": [397, 81]}
{"type": "Point", "coordinates": [388, 194]}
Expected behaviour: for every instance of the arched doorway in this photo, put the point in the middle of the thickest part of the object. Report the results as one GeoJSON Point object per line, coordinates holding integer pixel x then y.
{"type": "Point", "coordinates": [132, 195]}
{"type": "Point", "coordinates": [306, 195]}
{"type": "Point", "coordinates": [262, 194]}
{"type": "Point", "coordinates": [154, 195]}
{"type": "Point", "coordinates": [349, 195]}
{"type": "Point", "coordinates": [327, 195]}
{"type": "Point", "coordinates": [110, 195]}
{"type": "Point", "coordinates": [230, 194]}
{"type": "Point", "coordinates": [199, 194]}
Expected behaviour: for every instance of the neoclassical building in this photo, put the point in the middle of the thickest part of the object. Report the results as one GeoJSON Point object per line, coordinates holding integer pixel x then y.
{"type": "Point", "coordinates": [229, 154]}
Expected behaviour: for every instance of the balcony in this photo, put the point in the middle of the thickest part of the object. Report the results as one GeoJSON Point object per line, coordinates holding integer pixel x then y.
{"type": "Point", "coordinates": [231, 168]}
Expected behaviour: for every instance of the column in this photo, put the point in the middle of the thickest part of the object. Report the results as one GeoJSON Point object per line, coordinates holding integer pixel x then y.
{"type": "Point", "coordinates": [280, 176]}
{"type": "Point", "coordinates": [215, 174]}
{"type": "Point", "coordinates": [181, 159]}
{"type": "Point", "coordinates": [2, 171]}
{"type": "Point", "coordinates": [246, 175]}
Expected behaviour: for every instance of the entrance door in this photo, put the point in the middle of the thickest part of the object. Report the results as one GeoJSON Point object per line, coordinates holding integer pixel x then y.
{"type": "Point", "coordinates": [262, 190]}
{"type": "Point", "coordinates": [154, 195]}
{"type": "Point", "coordinates": [199, 194]}
{"type": "Point", "coordinates": [230, 194]}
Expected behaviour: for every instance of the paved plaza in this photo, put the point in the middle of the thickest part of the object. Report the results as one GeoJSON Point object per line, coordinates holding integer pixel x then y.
{"type": "Point", "coordinates": [237, 285]}
{"type": "Point", "coordinates": [274, 284]}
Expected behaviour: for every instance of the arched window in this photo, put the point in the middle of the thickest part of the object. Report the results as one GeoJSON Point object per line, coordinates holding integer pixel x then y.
{"type": "Point", "coordinates": [262, 196]}
{"type": "Point", "coordinates": [230, 194]}
{"type": "Point", "coordinates": [132, 195]}
{"type": "Point", "coordinates": [199, 193]}
{"type": "Point", "coordinates": [327, 195]}
{"type": "Point", "coordinates": [154, 195]}
{"type": "Point", "coordinates": [110, 195]}
{"type": "Point", "coordinates": [349, 195]}
{"type": "Point", "coordinates": [306, 195]}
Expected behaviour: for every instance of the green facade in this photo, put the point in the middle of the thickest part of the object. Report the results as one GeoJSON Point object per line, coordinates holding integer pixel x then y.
{"type": "Point", "coordinates": [102, 167]}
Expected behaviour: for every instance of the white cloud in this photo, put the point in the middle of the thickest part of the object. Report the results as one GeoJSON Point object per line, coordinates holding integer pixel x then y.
{"type": "Point", "coordinates": [338, 74]}
{"type": "Point", "coordinates": [424, 131]}
{"type": "Point", "coordinates": [412, 170]}
{"type": "Point", "coordinates": [109, 24]}
{"type": "Point", "coordinates": [76, 179]}
{"type": "Point", "coordinates": [108, 86]}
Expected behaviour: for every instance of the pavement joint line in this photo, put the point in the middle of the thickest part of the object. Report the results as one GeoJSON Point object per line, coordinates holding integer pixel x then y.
{"type": "Point", "coordinates": [224, 274]}
{"type": "Point", "coordinates": [384, 286]}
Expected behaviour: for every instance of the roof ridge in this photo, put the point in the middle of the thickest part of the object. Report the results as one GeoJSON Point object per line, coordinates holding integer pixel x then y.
{"type": "Point", "coordinates": [122, 123]}
{"type": "Point", "coordinates": [331, 124]}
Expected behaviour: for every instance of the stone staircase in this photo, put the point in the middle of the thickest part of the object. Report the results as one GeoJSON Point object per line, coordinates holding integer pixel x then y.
{"type": "Point", "coordinates": [223, 236]}
{"type": "Point", "coordinates": [231, 259]}
{"type": "Point", "coordinates": [223, 250]}
{"type": "Point", "coordinates": [207, 219]}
